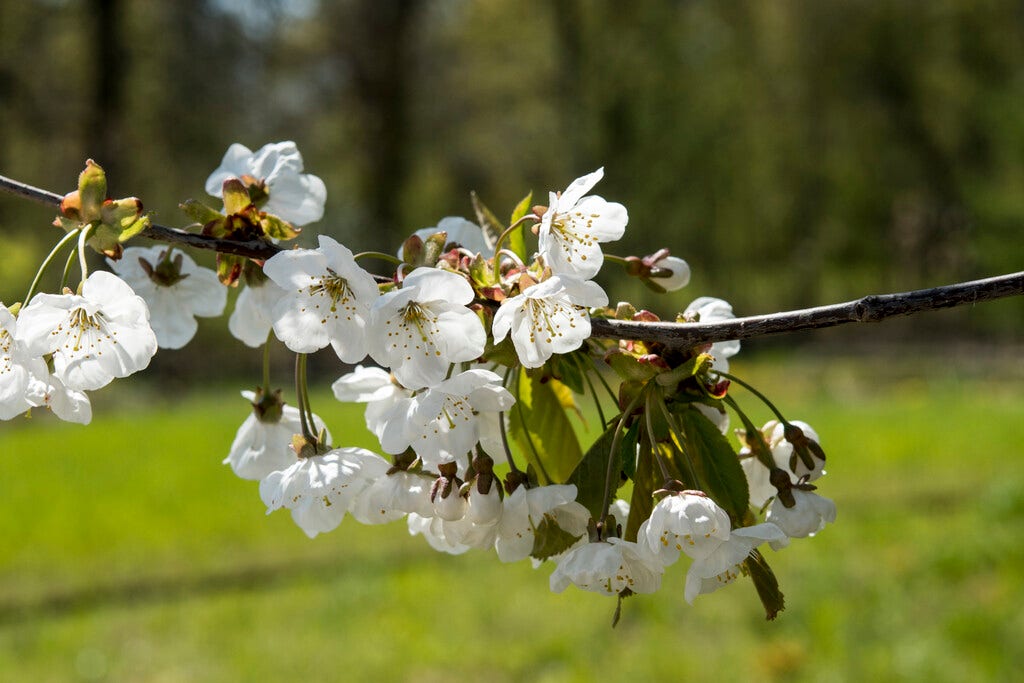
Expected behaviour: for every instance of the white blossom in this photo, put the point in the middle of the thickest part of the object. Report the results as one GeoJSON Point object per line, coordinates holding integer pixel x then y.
{"type": "Point", "coordinates": [295, 196]}
{"type": "Point", "coordinates": [522, 511]}
{"type": "Point", "coordinates": [420, 329]}
{"type": "Point", "coordinates": [393, 496]}
{"type": "Point", "coordinates": [432, 529]}
{"type": "Point", "coordinates": [708, 309]}
{"type": "Point", "coordinates": [15, 372]}
{"type": "Point", "coordinates": [573, 226]}
{"type": "Point", "coordinates": [319, 490]}
{"type": "Point", "coordinates": [722, 565]}
{"type": "Point", "coordinates": [607, 567]}
{"type": "Point", "coordinates": [67, 404]}
{"type": "Point", "coordinates": [548, 317]}
{"type": "Point", "coordinates": [758, 476]}
{"type": "Point", "coordinates": [175, 289]}
{"type": "Point", "coordinates": [252, 318]}
{"type": "Point", "coordinates": [465, 233]}
{"type": "Point", "coordinates": [374, 387]}
{"type": "Point", "coordinates": [680, 273]}
{"type": "Point", "coordinates": [102, 334]}
{"type": "Point", "coordinates": [262, 446]}
{"type": "Point", "coordinates": [326, 301]}
{"type": "Point", "coordinates": [807, 517]}
{"type": "Point", "coordinates": [442, 423]}
{"type": "Point", "coordinates": [687, 522]}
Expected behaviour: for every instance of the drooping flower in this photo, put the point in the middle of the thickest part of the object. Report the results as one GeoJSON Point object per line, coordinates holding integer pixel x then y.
{"type": "Point", "coordinates": [374, 387]}
{"type": "Point", "coordinates": [524, 509]}
{"type": "Point", "coordinates": [689, 522]}
{"type": "Point", "coordinates": [319, 490]}
{"type": "Point", "coordinates": [722, 565]}
{"type": "Point", "coordinates": [263, 443]}
{"type": "Point", "coordinates": [14, 368]}
{"type": "Point", "coordinates": [608, 567]}
{"type": "Point", "coordinates": [67, 404]}
{"type": "Point", "coordinates": [175, 289]}
{"type": "Point", "coordinates": [758, 476]}
{"type": "Point", "coordinates": [807, 517]}
{"type": "Point", "coordinates": [95, 337]}
{"type": "Point", "coordinates": [433, 530]}
{"type": "Point", "coordinates": [252, 319]}
{"type": "Point", "coordinates": [295, 196]}
{"type": "Point", "coordinates": [326, 301]}
{"type": "Point", "coordinates": [459, 231]}
{"type": "Point", "coordinates": [708, 309]}
{"type": "Point", "coordinates": [442, 423]}
{"type": "Point", "coordinates": [573, 226]}
{"type": "Point", "coordinates": [679, 273]}
{"type": "Point", "coordinates": [548, 317]}
{"type": "Point", "coordinates": [393, 496]}
{"type": "Point", "coordinates": [420, 329]}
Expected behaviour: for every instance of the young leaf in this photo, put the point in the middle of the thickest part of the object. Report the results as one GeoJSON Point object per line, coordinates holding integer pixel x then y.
{"type": "Point", "coordinates": [549, 539]}
{"type": "Point", "coordinates": [516, 241]}
{"type": "Point", "coordinates": [92, 191]}
{"type": "Point", "coordinates": [541, 427]}
{"type": "Point", "coordinates": [644, 484]}
{"type": "Point", "coordinates": [766, 584]}
{"type": "Point", "coordinates": [718, 468]}
{"type": "Point", "coordinates": [489, 223]}
{"type": "Point", "coordinates": [589, 475]}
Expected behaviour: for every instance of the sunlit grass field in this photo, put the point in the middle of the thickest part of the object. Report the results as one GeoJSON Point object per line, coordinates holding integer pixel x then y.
{"type": "Point", "coordinates": [129, 553]}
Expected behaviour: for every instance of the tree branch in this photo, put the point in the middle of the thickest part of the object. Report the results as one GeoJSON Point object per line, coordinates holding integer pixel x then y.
{"type": "Point", "coordinates": [872, 308]}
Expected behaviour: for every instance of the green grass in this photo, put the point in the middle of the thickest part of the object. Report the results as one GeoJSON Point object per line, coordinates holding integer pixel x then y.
{"type": "Point", "coordinates": [129, 553]}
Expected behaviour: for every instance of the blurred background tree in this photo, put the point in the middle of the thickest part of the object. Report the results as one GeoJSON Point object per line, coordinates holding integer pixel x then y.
{"type": "Point", "coordinates": [796, 153]}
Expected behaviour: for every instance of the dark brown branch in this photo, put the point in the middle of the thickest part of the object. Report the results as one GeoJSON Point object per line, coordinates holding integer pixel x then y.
{"type": "Point", "coordinates": [256, 249]}
{"type": "Point", "coordinates": [868, 309]}
{"type": "Point", "coordinates": [872, 308]}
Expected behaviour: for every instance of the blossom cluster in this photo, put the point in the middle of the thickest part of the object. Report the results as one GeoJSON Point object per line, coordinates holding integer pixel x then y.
{"type": "Point", "coordinates": [446, 347]}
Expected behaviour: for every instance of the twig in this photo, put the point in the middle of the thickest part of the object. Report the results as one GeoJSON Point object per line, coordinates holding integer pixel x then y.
{"type": "Point", "coordinates": [872, 308]}
{"type": "Point", "coordinates": [868, 309]}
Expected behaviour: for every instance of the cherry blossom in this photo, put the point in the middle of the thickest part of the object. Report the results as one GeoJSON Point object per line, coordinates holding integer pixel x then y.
{"type": "Point", "coordinates": [251, 321]}
{"type": "Point", "coordinates": [319, 490]}
{"type": "Point", "coordinates": [524, 509]}
{"type": "Point", "coordinates": [722, 565]}
{"type": "Point", "coordinates": [263, 443]}
{"type": "Point", "coordinates": [393, 496]}
{"type": "Point", "coordinates": [608, 567]}
{"type": "Point", "coordinates": [295, 196]}
{"type": "Point", "coordinates": [708, 309]}
{"type": "Point", "coordinates": [689, 522]}
{"type": "Point", "coordinates": [807, 517]}
{"type": "Point", "coordinates": [424, 326]}
{"type": "Point", "coordinates": [679, 273]}
{"type": "Point", "coordinates": [466, 234]}
{"type": "Point", "coordinates": [433, 530]}
{"type": "Point", "coordinates": [547, 318]}
{"type": "Point", "coordinates": [175, 289]}
{"type": "Point", "coordinates": [67, 404]}
{"type": "Point", "coordinates": [15, 373]}
{"type": "Point", "coordinates": [374, 387]}
{"type": "Point", "coordinates": [758, 475]}
{"type": "Point", "coordinates": [94, 337]}
{"type": "Point", "coordinates": [326, 301]}
{"type": "Point", "coordinates": [442, 423]}
{"type": "Point", "coordinates": [573, 226]}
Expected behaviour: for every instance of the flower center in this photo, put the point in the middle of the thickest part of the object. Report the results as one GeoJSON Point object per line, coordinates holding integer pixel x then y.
{"type": "Point", "coordinates": [336, 289]}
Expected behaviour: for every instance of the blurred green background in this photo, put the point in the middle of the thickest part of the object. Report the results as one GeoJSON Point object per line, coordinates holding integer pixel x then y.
{"type": "Point", "coordinates": [795, 153]}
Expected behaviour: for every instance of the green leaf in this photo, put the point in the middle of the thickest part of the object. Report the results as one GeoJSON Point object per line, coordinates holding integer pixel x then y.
{"type": "Point", "coordinates": [92, 191]}
{"type": "Point", "coordinates": [433, 248]}
{"type": "Point", "coordinates": [542, 429]}
{"type": "Point", "coordinates": [644, 484]}
{"type": "Point", "coordinates": [549, 539]}
{"type": "Point", "coordinates": [685, 371]}
{"type": "Point", "coordinates": [236, 197]}
{"type": "Point", "coordinates": [199, 212]}
{"type": "Point", "coordinates": [489, 223]}
{"type": "Point", "coordinates": [766, 584]}
{"type": "Point", "coordinates": [229, 268]}
{"type": "Point", "coordinates": [277, 228]}
{"type": "Point", "coordinates": [125, 217]}
{"type": "Point", "coordinates": [517, 241]}
{"type": "Point", "coordinates": [589, 475]}
{"type": "Point", "coordinates": [627, 367]}
{"type": "Point", "coordinates": [717, 467]}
